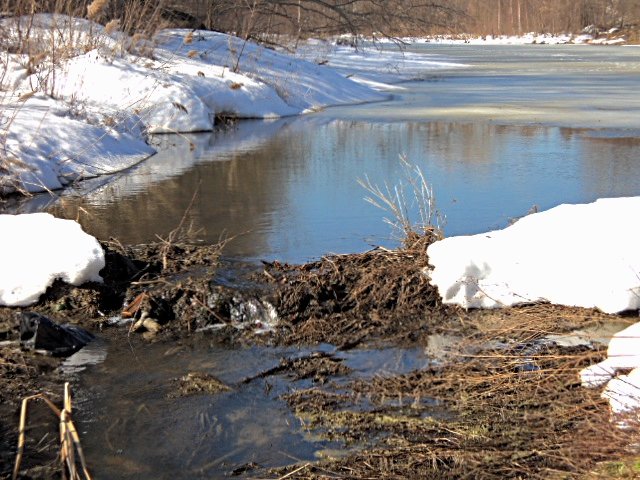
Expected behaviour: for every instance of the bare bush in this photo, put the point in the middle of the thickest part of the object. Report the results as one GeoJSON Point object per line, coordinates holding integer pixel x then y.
{"type": "Point", "coordinates": [399, 203]}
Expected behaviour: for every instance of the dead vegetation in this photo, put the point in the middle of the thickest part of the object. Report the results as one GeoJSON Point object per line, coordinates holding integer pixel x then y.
{"type": "Point", "coordinates": [195, 383]}
{"type": "Point", "coordinates": [503, 405]}
{"type": "Point", "coordinates": [347, 300]}
{"type": "Point", "coordinates": [72, 461]}
{"type": "Point", "coordinates": [501, 398]}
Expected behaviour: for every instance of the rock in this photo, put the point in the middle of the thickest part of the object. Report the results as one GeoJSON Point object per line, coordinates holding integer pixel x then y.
{"type": "Point", "coordinates": [38, 332]}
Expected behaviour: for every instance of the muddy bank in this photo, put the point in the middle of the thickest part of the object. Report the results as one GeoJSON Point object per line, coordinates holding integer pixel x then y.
{"type": "Point", "coordinates": [499, 399]}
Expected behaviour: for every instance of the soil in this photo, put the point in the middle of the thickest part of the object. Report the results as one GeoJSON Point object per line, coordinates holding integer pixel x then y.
{"type": "Point", "coordinates": [498, 402]}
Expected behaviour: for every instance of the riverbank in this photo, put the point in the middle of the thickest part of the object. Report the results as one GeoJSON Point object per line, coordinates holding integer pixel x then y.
{"type": "Point", "coordinates": [501, 395]}
{"type": "Point", "coordinates": [107, 91]}
{"type": "Point", "coordinates": [87, 109]}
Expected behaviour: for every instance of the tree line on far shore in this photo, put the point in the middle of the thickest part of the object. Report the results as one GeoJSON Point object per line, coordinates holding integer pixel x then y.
{"type": "Point", "coordinates": [318, 18]}
{"type": "Point", "coordinates": [306, 18]}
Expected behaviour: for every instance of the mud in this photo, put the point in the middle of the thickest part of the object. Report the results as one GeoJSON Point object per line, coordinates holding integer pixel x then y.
{"type": "Point", "coordinates": [351, 300]}
{"type": "Point", "coordinates": [499, 400]}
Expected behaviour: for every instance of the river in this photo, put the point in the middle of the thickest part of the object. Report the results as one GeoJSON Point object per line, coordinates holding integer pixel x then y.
{"type": "Point", "coordinates": [519, 126]}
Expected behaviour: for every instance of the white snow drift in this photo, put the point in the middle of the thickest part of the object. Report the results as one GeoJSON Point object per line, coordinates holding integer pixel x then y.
{"type": "Point", "coordinates": [622, 392]}
{"type": "Point", "coordinates": [91, 111]}
{"type": "Point", "coordinates": [579, 255]}
{"type": "Point", "coordinates": [36, 249]}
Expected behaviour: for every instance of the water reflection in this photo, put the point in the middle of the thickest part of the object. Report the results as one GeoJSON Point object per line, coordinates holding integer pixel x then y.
{"type": "Point", "coordinates": [140, 429]}
{"type": "Point", "coordinates": [140, 426]}
{"type": "Point", "coordinates": [289, 189]}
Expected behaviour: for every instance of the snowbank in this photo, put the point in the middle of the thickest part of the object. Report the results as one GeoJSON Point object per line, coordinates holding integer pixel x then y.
{"type": "Point", "coordinates": [579, 255]}
{"type": "Point", "coordinates": [36, 249]}
{"type": "Point", "coordinates": [47, 148]}
{"type": "Point", "coordinates": [622, 392]}
{"type": "Point", "coordinates": [95, 106]}
{"type": "Point", "coordinates": [525, 39]}
{"type": "Point", "coordinates": [379, 68]}
{"type": "Point", "coordinates": [303, 86]}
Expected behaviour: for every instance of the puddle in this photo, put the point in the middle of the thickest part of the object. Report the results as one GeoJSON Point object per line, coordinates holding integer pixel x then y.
{"type": "Point", "coordinates": [93, 353]}
{"type": "Point", "coordinates": [385, 361]}
{"type": "Point", "coordinates": [135, 423]}
{"type": "Point", "coordinates": [600, 334]}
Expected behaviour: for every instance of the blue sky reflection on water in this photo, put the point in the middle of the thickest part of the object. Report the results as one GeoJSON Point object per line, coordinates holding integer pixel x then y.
{"type": "Point", "coordinates": [522, 126]}
{"type": "Point", "coordinates": [482, 174]}
{"type": "Point", "coordinates": [293, 194]}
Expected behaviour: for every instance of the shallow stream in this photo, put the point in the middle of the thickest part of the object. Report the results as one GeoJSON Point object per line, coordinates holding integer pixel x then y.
{"type": "Point", "coordinates": [137, 422]}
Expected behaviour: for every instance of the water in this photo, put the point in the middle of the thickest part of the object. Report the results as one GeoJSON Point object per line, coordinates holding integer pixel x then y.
{"type": "Point", "coordinates": [521, 126]}
{"type": "Point", "coordinates": [134, 426]}
{"type": "Point", "coordinates": [566, 86]}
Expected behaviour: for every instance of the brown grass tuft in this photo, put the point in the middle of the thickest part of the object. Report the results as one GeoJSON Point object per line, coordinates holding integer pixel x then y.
{"type": "Point", "coordinates": [112, 26]}
{"type": "Point", "coordinates": [192, 53]}
{"type": "Point", "coordinates": [188, 38]}
{"type": "Point", "coordinates": [96, 8]}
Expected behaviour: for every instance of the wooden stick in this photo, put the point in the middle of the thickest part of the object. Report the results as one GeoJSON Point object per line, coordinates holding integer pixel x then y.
{"type": "Point", "coordinates": [21, 428]}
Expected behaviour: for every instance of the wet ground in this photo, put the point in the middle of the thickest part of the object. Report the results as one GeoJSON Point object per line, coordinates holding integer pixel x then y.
{"type": "Point", "coordinates": [361, 374]}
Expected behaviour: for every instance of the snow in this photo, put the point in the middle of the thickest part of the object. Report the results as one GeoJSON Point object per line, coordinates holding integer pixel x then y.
{"type": "Point", "coordinates": [47, 148]}
{"type": "Point", "coordinates": [36, 249]}
{"type": "Point", "coordinates": [525, 39]}
{"type": "Point", "coordinates": [623, 392]}
{"type": "Point", "coordinates": [93, 109]}
{"type": "Point", "coordinates": [379, 68]}
{"type": "Point", "coordinates": [578, 255]}
{"type": "Point", "coordinates": [623, 352]}
{"type": "Point", "coordinates": [302, 85]}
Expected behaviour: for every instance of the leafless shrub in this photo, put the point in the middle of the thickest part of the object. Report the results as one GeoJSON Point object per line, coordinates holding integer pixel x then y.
{"type": "Point", "coordinates": [400, 199]}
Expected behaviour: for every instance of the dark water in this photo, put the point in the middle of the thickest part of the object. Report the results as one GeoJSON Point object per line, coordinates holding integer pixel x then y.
{"type": "Point", "coordinates": [133, 426]}
{"type": "Point", "coordinates": [511, 132]}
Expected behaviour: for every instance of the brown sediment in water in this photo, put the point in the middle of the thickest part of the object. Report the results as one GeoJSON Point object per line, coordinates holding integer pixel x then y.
{"type": "Point", "coordinates": [497, 402]}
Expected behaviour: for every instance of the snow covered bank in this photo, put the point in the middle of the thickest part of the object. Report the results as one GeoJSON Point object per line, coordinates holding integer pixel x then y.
{"type": "Point", "coordinates": [47, 148]}
{"type": "Point", "coordinates": [579, 255]}
{"type": "Point", "coordinates": [91, 110]}
{"type": "Point", "coordinates": [380, 68]}
{"type": "Point", "coordinates": [531, 38]}
{"type": "Point", "coordinates": [37, 249]}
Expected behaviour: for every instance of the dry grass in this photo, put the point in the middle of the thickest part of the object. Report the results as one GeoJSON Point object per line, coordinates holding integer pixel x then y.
{"type": "Point", "coordinates": [503, 405]}
{"type": "Point", "coordinates": [399, 203]}
{"type": "Point", "coordinates": [96, 9]}
{"type": "Point", "coordinates": [70, 449]}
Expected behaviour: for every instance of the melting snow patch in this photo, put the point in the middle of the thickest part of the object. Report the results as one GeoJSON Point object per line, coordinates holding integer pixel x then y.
{"type": "Point", "coordinates": [623, 391]}
{"type": "Point", "coordinates": [38, 248]}
{"type": "Point", "coordinates": [577, 255]}
{"type": "Point", "coordinates": [623, 353]}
